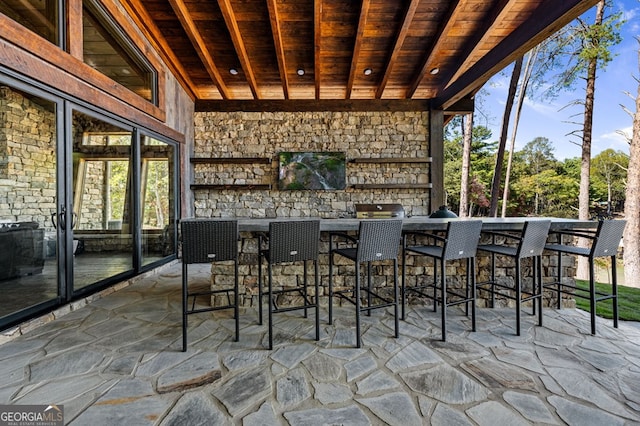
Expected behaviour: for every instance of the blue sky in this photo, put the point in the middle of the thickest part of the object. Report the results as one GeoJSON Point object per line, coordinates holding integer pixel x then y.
{"type": "Point", "coordinates": [552, 118]}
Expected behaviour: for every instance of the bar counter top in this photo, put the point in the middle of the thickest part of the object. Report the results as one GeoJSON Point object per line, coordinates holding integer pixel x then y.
{"type": "Point", "coordinates": [416, 223]}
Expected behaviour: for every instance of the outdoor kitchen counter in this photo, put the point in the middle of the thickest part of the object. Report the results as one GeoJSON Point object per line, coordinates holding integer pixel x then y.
{"type": "Point", "coordinates": [250, 227]}
{"type": "Point", "coordinates": [417, 223]}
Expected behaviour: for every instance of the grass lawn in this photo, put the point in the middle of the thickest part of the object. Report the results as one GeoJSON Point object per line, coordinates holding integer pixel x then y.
{"type": "Point", "coordinates": [628, 302]}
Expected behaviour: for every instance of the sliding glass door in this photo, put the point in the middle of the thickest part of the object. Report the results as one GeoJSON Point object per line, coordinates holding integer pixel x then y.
{"type": "Point", "coordinates": [157, 199]}
{"type": "Point", "coordinates": [86, 200]}
{"type": "Point", "coordinates": [102, 193]}
{"type": "Point", "coordinates": [29, 200]}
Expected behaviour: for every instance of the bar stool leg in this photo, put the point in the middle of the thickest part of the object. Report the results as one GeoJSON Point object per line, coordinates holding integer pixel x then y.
{"type": "Point", "coordinates": [330, 288]}
{"type": "Point", "coordinates": [270, 308]}
{"type": "Point", "coordinates": [467, 286]}
{"type": "Point", "coordinates": [614, 290]}
{"type": "Point", "coordinates": [540, 298]}
{"type": "Point", "coordinates": [305, 293]}
{"type": "Point", "coordinates": [403, 292]}
{"type": "Point", "coordinates": [260, 295]}
{"type": "Point", "coordinates": [518, 296]}
{"type": "Point", "coordinates": [592, 295]}
{"type": "Point", "coordinates": [236, 309]}
{"type": "Point", "coordinates": [369, 288]}
{"type": "Point", "coordinates": [559, 283]}
{"type": "Point", "coordinates": [443, 297]}
{"type": "Point", "coordinates": [473, 292]}
{"type": "Point", "coordinates": [358, 307]}
{"type": "Point", "coordinates": [534, 285]}
{"type": "Point", "coordinates": [435, 284]}
{"type": "Point", "coordinates": [493, 280]}
{"type": "Point", "coordinates": [395, 297]}
{"type": "Point", "coordinates": [184, 307]}
{"type": "Point", "coordinates": [317, 299]}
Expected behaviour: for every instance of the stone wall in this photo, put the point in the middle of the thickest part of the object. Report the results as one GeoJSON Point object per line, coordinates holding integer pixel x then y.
{"type": "Point", "coordinates": [265, 134]}
{"type": "Point", "coordinates": [359, 135]}
{"type": "Point", "coordinates": [27, 159]}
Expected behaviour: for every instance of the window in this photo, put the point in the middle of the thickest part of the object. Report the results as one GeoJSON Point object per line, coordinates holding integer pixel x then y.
{"type": "Point", "coordinates": [40, 16]}
{"type": "Point", "coordinates": [112, 166]}
{"type": "Point", "coordinates": [107, 49]}
{"type": "Point", "coordinates": [157, 199]}
{"type": "Point", "coordinates": [106, 138]}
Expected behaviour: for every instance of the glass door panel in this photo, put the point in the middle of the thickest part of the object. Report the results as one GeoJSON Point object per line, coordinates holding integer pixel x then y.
{"type": "Point", "coordinates": [157, 199]}
{"type": "Point", "coordinates": [28, 201]}
{"type": "Point", "coordinates": [102, 181]}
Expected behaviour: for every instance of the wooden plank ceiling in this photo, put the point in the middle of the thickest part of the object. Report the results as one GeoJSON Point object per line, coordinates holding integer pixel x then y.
{"type": "Point", "coordinates": [335, 49]}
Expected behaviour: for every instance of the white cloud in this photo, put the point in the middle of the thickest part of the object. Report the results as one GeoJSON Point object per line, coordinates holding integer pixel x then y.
{"type": "Point", "coordinates": [615, 140]}
{"type": "Point", "coordinates": [547, 109]}
{"type": "Point", "coordinates": [629, 15]}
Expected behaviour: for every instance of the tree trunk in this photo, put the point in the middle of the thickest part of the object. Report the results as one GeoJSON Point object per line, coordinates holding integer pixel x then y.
{"type": "Point", "coordinates": [631, 239]}
{"type": "Point", "coordinates": [528, 70]}
{"type": "Point", "coordinates": [497, 174]}
{"type": "Point", "coordinates": [466, 161]}
{"type": "Point", "coordinates": [585, 168]}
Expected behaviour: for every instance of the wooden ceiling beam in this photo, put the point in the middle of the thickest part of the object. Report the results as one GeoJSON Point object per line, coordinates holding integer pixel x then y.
{"type": "Point", "coordinates": [238, 44]}
{"type": "Point", "coordinates": [544, 21]}
{"type": "Point", "coordinates": [496, 16]}
{"type": "Point", "coordinates": [296, 105]}
{"type": "Point", "coordinates": [362, 22]}
{"type": "Point", "coordinates": [317, 36]}
{"type": "Point", "coordinates": [448, 21]}
{"type": "Point", "coordinates": [414, 36]}
{"type": "Point", "coordinates": [181, 11]}
{"type": "Point", "coordinates": [151, 31]}
{"type": "Point", "coordinates": [397, 45]}
{"type": "Point", "coordinates": [279, 45]}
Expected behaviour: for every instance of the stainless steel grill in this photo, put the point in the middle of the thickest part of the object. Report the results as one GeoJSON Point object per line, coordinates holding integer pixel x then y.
{"type": "Point", "coordinates": [379, 211]}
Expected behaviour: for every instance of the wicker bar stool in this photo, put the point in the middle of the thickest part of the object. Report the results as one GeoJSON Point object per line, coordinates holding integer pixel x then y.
{"type": "Point", "coordinates": [459, 242]}
{"type": "Point", "coordinates": [378, 240]}
{"type": "Point", "coordinates": [605, 241]}
{"type": "Point", "coordinates": [290, 241]}
{"type": "Point", "coordinates": [207, 241]}
{"type": "Point", "coordinates": [529, 244]}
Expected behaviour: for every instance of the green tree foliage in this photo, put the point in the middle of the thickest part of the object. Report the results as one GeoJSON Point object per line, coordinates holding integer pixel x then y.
{"type": "Point", "coordinates": [540, 186]}
{"type": "Point", "coordinates": [608, 175]}
{"type": "Point", "coordinates": [482, 161]}
{"type": "Point", "coordinates": [538, 154]}
{"type": "Point", "coordinates": [573, 47]}
{"type": "Point", "coordinates": [156, 202]}
{"type": "Point", "coordinates": [118, 181]}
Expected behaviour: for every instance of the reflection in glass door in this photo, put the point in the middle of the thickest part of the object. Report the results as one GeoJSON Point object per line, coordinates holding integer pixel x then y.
{"type": "Point", "coordinates": [102, 213]}
{"type": "Point", "coordinates": [77, 212]}
{"type": "Point", "coordinates": [157, 199]}
{"type": "Point", "coordinates": [28, 202]}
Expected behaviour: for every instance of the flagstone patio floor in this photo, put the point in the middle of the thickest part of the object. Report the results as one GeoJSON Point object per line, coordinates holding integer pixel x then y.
{"type": "Point", "coordinates": [117, 360]}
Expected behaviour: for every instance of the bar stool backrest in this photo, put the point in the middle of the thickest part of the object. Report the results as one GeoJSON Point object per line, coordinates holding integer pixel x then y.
{"type": "Point", "coordinates": [462, 239]}
{"type": "Point", "coordinates": [534, 237]}
{"type": "Point", "coordinates": [209, 240]}
{"type": "Point", "coordinates": [293, 241]}
{"type": "Point", "coordinates": [608, 238]}
{"type": "Point", "coordinates": [379, 239]}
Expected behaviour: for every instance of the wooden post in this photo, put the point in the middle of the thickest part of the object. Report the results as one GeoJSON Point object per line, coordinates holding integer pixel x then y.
{"type": "Point", "coordinates": [436, 152]}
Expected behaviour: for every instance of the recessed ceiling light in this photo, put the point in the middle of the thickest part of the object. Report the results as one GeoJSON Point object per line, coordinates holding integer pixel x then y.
{"type": "Point", "coordinates": [300, 71]}
{"type": "Point", "coordinates": [368, 71]}
{"type": "Point", "coordinates": [434, 71]}
{"type": "Point", "coordinates": [233, 71]}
